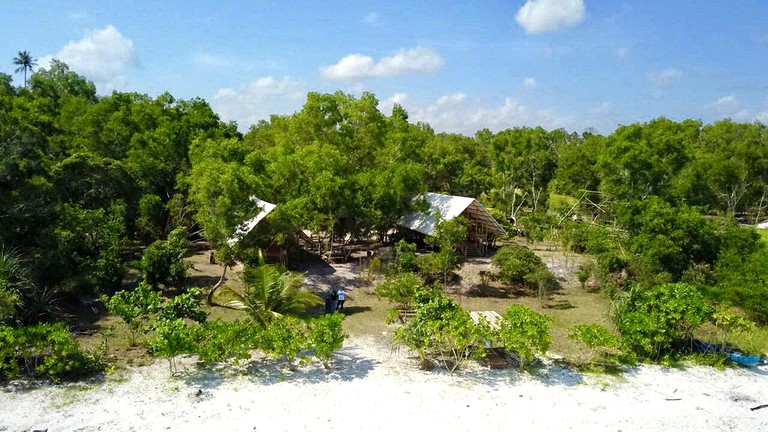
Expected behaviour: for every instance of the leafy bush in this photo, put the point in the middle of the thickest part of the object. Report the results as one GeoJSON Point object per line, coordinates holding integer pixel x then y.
{"type": "Point", "coordinates": [544, 281]}
{"type": "Point", "coordinates": [515, 263]}
{"type": "Point", "coordinates": [588, 238]}
{"type": "Point", "coordinates": [728, 323]}
{"type": "Point", "coordinates": [286, 336]}
{"type": "Point", "coordinates": [596, 338]}
{"type": "Point", "coordinates": [449, 235]}
{"type": "Point", "coordinates": [326, 335]}
{"type": "Point", "coordinates": [45, 350]}
{"type": "Point", "coordinates": [400, 288]}
{"type": "Point", "coordinates": [219, 341]}
{"type": "Point", "coordinates": [174, 337]}
{"type": "Point", "coordinates": [405, 258]}
{"type": "Point", "coordinates": [524, 331]}
{"type": "Point", "coordinates": [659, 321]}
{"type": "Point", "coordinates": [136, 308]}
{"type": "Point", "coordinates": [742, 282]}
{"type": "Point", "coordinates": [162, 262]}
{"type": "Point", "coordinates": [185, 305]}
{"type": "Point", "coordinates": [584, 272]}
{"type": "Point", "coordinates": [441, 331]}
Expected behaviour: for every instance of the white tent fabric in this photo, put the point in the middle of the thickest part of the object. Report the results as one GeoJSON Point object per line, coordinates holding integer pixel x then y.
{"type": "Point", "coordinates": [762, 225]}
{"type": "Point", "coordinates": [448, 207]}
{"type": "Point", "coordinates": [248, 225]}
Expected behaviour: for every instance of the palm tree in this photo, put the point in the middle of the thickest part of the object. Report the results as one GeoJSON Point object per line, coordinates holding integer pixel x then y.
{"type": "Point", "coordinates": [272, 292]}
{"type": "Point", "coordinates": [25, 63]}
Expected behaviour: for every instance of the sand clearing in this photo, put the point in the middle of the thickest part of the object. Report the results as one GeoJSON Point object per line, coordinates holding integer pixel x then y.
{"type": "Point", "coordinates": [372, 388]}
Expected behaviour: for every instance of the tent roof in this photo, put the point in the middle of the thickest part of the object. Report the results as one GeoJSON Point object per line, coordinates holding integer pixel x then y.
{"type": "Point", "coordinates": [248, 225]}
{"type": "Point", "coordinates": [449, 206]}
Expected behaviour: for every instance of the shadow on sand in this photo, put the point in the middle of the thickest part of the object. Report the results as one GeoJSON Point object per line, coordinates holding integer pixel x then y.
{"type": "Point", "coordinates": [345, 366]}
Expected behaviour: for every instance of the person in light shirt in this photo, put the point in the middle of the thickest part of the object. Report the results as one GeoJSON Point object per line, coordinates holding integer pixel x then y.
{"type": "Point", "coordinates": [342, 295]}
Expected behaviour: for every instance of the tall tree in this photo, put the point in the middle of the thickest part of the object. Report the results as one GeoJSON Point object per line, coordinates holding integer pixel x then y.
{"type": "Point", "coordinates": [25, 62]}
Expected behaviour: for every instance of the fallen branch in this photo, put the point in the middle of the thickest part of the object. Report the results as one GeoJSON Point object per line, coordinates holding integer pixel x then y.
{"type": "Point", "coordinates": [759, 407]}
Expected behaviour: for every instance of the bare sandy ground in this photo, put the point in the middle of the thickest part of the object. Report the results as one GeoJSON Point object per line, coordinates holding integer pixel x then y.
{"type": "Point", "coordinates": [372, 388]}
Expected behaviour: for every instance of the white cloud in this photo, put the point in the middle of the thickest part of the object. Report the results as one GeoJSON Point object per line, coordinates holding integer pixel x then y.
{"type": "Point", "coordinates": [545, 16]}
{"type": "Point", "coordinates": [458, 113]}
{"type": "Point", "coordinates": [622, 52]}
{"type": "Point", "coordinates": [371, 18]}
{"type": "Point", "coordinates": [78, 15]}
{"type": "Point", "coordinates": [601, 110]}
{"type": "Point", "coordinates": [529, 82]}
{"type": "Point", "coordinates": [209, 60]}
{"type": "Point", "coordinates": [728, 103]}
{"type": "Point", "coordinates": [257, 100]}
{"type": "Point", "coordinates": [730, 107]}
{"type": "Point", "coordinates": [102, 56]}
{"type": "Point", "coordinates": [665, 77]}
{"type": "Point", "coordinates": [358, 66]}
{"type": "Point", "coordinates": [387, 104]}
{"type": "Point", "coordinates": [762, 117]}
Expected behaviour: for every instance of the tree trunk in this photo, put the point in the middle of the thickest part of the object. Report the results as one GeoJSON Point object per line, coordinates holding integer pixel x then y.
{"type": "Point", "coordinates": [209, 297]}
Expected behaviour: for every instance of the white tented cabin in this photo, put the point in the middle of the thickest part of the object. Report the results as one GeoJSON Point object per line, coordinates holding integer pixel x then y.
{"type": "Point", "coordinates": [482, 226]}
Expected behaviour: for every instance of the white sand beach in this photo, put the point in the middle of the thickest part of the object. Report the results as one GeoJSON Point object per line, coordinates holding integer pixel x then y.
{"type": "Point", "coordinates": [371, 389]}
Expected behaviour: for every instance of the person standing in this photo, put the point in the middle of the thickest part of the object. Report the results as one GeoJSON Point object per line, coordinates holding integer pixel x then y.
{"type": "Point", "coordinates": [329, 302]}
{"type": "Point", "coordinates": [334, 296]}
{"type": "Point", "coordinates": [341, 297]}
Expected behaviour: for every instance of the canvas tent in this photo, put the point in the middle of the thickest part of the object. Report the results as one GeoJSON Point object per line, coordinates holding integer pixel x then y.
{"type": "Point", "coordinates": [248, 225]}
{"type": "Point", "coordinates": [482, 226]}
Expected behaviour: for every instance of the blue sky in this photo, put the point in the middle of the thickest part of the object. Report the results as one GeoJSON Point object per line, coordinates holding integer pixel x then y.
{"type": "Point", "coordinates": [460, 66]}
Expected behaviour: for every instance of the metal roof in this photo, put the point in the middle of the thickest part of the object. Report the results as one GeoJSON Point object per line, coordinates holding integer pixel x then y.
{"type": "Point", "coordinates": [248, 225]}
{"type": "Point", "coordinates": [448, 207]}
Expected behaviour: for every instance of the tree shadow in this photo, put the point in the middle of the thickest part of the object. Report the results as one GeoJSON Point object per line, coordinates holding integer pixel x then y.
{"type": "Point", "coordinates": [201, 281]}
{"type": "Point", "coordinates": [480, 290]}
{"type": "Point", "coordinates": [561, 304]}
{"type": "Point", "coordinates": [549, 374]}
{"type": "Point", "coordinates": [351, 310]}
{"type": "Point", "coordinates": [83, 315]}
{"type": "Point", "coordinates": [345, 366]}
{"type": "Point", "coordinates": [310, 263]}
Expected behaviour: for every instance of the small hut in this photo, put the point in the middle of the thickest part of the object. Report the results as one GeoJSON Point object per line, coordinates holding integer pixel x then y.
{"type": "Point", "coordinates": [482, 226]}
{"type": "Point", "coordinates": [274, 252]}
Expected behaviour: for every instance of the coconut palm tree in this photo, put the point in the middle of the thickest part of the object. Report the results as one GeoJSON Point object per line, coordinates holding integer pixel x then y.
{"type": "Point", "coordinates": [272, 292]}
{"type": "Point", "coordinates": [25, 63]}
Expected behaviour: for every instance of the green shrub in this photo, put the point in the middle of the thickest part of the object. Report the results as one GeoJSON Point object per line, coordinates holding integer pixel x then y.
{"type": "Point", "coordinates": [440, 332]}
{"type": "Point", "coordinates": [584, 272]}
{"type": "Point", "coordinates": [46, 350]}
{"type": "Point", "coordinates": [524, 331]}
{"type": "Point", "coordinates": [174, 338]}
{"type": "Point", "coordinates": [611, 262]}
{"type": "Point", "coordinates": [326, 335]}
{"type": "Point", "coordinates": [286, 336]}
{"type": "Point", "coordinates": [405, 258]}
{"type": "Point", "coordinates": [219, 341]}
{"type": "Point", "coordinates": [400, 288]}
{"type": "Point", "coordinates": [185, 305]}
{"type": "Point", "coordinates": [596, 338]}
{"type": "Point", "coordinates": [742, 282]}
{"type": "Point", "coordinates": [136, 308]}
{"type": "Point", "coordinates": [162, 262]}
{"type": "Point", "coordinates": [544, 281]}
{"type": "Point", "coordinates": [659, 321]}
{"type": "Point", "coordinates": [515, 263]}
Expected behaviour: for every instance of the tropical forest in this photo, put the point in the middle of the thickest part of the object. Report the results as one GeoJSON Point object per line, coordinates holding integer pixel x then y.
{"type": "Point", "coordinates": [104, 199]}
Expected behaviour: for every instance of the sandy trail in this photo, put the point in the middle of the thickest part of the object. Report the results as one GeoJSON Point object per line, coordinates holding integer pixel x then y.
{"type": "Point", "coordinates": [371, 388]}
